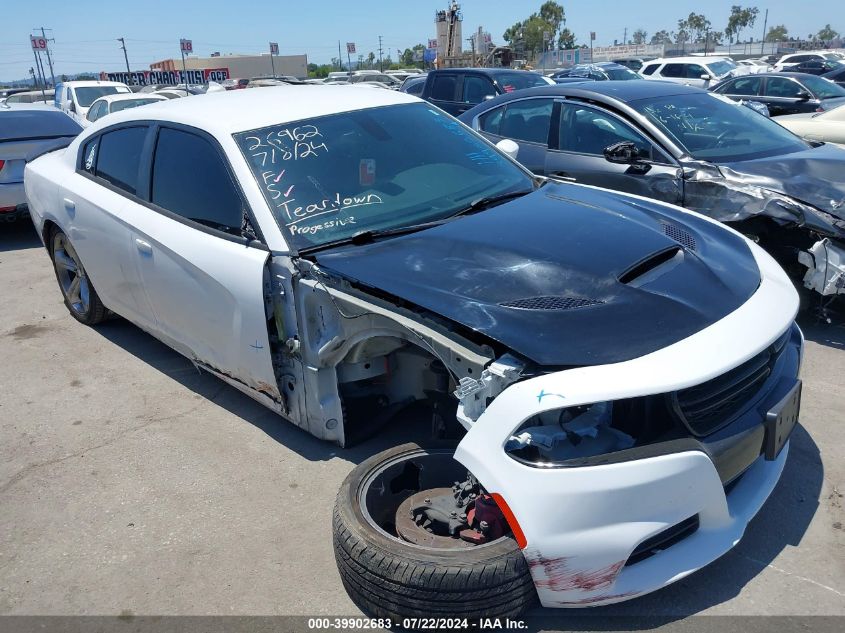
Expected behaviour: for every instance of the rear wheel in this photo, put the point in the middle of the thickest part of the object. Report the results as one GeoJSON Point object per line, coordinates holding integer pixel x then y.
{"type": "Point", "coordinates": [80, 297]}
{"type": "Point", "coordinates": [416, 536]}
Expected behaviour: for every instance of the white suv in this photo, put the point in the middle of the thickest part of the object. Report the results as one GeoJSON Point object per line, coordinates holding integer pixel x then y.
{"type": "Point", "coordinates": [691, 71]}
{"type": "Point", "coordinates": [793, 59]}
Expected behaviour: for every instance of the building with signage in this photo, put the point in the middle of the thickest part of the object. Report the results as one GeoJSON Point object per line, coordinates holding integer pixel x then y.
{"type": "Point", "coordinates": [241, 66]}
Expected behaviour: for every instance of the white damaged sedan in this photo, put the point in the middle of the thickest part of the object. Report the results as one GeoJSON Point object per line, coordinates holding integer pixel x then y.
{"type": "Point", "coordinates": [618, 376]}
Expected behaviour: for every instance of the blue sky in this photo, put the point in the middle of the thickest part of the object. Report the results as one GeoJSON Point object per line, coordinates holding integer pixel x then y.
{"type": "Point", "coordinates": [85, 32]}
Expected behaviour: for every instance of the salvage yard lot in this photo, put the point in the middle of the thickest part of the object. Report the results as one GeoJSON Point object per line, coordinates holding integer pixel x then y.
{"type": "Point", "coordinates": [132, 484]}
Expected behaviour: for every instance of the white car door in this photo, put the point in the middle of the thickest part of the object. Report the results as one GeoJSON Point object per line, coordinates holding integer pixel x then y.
{"type": "Point", "coordinates": [205, 284]}
{"type": "Point", "coordinates": [96, 201]}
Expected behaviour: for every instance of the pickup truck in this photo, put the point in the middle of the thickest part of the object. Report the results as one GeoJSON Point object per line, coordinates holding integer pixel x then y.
{"type": "Point", "coordinates": [456, 90]}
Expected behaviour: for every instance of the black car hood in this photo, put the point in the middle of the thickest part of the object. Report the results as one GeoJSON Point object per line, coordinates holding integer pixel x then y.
{"type": "Point", "coordinates": [815, 176]}
{"type": "Point", "coordinates": [566, 275]}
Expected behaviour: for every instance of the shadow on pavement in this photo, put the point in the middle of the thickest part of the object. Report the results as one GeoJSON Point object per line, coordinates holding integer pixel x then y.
{"type": "Point", "coordinates": [782, 521]}
{"type": "Point", "coordinates": [414, 424]}
{"type": "Point", "coordinates": [18, 235]}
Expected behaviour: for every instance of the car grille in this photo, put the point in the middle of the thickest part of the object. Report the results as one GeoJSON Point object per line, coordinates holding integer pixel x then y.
{"type": "Point", "coordinates": [550, 303]}
{"type": "Point", "coordinates": [709, 406]}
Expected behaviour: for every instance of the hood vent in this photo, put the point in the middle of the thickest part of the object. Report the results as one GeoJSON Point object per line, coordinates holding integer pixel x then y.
{"type": "Point", "coordinates": [651, 266]}
{"type": "Point", "coordinates": [550, 303]}
{"type": "Point", "coordinates": [679, 235]}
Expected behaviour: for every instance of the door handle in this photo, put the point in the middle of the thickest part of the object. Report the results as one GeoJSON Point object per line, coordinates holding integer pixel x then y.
{"type": "Point", "coordinates": [144, 247]}
{"type": "Point", "coordinates": [70, 206]}
{"type": "Point", "coordinates": [562, 175]}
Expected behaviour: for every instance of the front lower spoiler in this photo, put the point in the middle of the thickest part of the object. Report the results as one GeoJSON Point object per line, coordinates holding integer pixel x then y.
{"type": "Point", "coordinates": [582, 524]}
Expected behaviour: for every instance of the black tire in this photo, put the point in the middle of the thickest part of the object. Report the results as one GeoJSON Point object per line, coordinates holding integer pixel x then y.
{"type": "Point", "coordinates": [84, 305]}
{"type": "Point", "coordinates": [389, 578]}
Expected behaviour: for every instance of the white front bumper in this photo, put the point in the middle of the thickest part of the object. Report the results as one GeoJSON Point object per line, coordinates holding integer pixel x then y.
{"type": "Point", "coordinates": [582, 524]}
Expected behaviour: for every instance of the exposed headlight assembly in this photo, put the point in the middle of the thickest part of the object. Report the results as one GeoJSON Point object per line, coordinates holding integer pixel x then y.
{"type": "Point", "coordinates": [570, 433]}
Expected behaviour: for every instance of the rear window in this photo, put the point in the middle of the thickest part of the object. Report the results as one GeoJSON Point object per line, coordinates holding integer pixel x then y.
{"type": "Point", "coordinates": [120, 156]}
{"type": "Point", "coordinates": [27, 124]}
{"type": "Point", "coordinates": [649, 69]}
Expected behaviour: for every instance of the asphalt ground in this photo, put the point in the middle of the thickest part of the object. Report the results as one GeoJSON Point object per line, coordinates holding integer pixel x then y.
{"type": "Point", "coordinates": [131, 484]}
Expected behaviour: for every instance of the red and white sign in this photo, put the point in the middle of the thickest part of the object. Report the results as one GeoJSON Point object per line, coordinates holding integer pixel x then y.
{"type": "Point", "coordinates": [350, 48]}
{"type": "Point", "coordinates": [432, 43]}
{"type": "Point", "coordinates": [274, 48]}
{"type": "Point", "coordinates": [187, 46]}
{"type": "Point", "coordinates": [38, 43]}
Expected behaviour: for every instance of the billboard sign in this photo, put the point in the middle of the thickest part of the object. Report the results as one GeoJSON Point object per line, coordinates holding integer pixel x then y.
{"type": "Point", "coordinates": [167, 77]}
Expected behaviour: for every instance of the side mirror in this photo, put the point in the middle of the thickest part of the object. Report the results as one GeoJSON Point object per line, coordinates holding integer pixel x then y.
{"type": "Point", "coordinates": [509, 147]}
{"type": "Point", "coordinates": [804, 96]}
{"type": "Point", "coordinates": [622, 153]}
{"type": "Point", "coordinates": [72, 107]}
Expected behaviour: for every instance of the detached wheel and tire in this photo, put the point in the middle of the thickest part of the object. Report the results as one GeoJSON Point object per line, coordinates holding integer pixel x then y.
{"type": "Point", "coordinates": [80, 297]}
{"type": "Point", "coordinates": [403, 550]}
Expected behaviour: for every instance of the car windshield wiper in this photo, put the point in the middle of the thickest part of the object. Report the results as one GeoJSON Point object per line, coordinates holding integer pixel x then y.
{"type": "Point", "coordinates": [489, 201]}
{"type": "Point", "coordinates": [368, 237]}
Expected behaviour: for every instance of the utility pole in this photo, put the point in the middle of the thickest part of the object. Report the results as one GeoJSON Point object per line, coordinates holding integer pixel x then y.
{"type": "Point", "coordinates": [125, 57]}
{"type": "Point", "coordinates": [40, 76]}
{"type": "Point", "coordinates": [765, 23]}
{"type": "Point", "coordinates": [380, 63]}
{"type": "Point", "coordinates": [32, 72]}
{"type": "Point", "coordinates": [339, 58]}
{"type": "Point", "coordinates": [625, 37]}
{"type": "Point", "coordinates": [49, 60]}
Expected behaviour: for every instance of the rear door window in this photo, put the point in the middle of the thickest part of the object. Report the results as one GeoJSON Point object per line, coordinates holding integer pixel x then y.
{"type": "Point", "coordinates": [120, 156]}
{"type": "Point", "coordinates": [674, 70]}
{"type": "Point", "coordinates": [212, 199]}
{"type": "Point", "coordinates": [527, 120]}
{"type": "Point", "coordinates": [745, 86]}
{"type": "Point", "coordinates": [649, 69]}
{"type": "Point", "coordinates": [443, 88]}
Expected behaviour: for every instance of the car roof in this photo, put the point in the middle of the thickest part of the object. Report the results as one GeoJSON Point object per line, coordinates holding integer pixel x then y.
{"type": "Point", "coordinates": [86, 84]}
{"type": "Point", "coordinates": [130, 96]}
{"type": "Point", "coordinates": [624, 91]}
{"type": "Point", "coordinates": [484, 71]}
{"type": "Point", "coordinates": [225, 113]}
{"type": "Point", "coordinates": [687, 60]}
{"type": "Point", "coordinates": [601, 91]}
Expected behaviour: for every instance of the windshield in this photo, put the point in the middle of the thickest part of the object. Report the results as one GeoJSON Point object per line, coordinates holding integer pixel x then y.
{"type": "Point", "coordinates": [330, 177]}
{"type": "Point", "coordinates": [710, 128]}
{"type": "Point", "coordinates": [620, 74]}
{"type": "Point", "coordinates": [822, 88]}
{"type": "Point", "coordinates": [117, 106]}
{"type": "Point", "coordinates": [519, 81]}
{"type": "Point", "coordinates": [88, 95]}
{"type": "Point", "coordinates": [721, 67]}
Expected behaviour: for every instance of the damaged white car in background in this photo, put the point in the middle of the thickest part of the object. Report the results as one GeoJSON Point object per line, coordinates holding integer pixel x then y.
{"type": "Point", "coordinates": [619, 376]}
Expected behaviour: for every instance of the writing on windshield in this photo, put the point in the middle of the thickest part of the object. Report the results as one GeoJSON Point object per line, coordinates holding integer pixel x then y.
{"type": "Point", "coordinates": [330, 177]}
